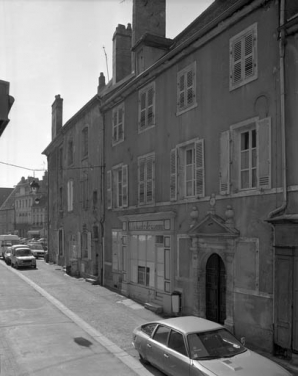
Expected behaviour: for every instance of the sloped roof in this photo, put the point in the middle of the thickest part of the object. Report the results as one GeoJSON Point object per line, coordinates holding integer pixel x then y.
{"type": "Point", "coordinates": [4, 193]}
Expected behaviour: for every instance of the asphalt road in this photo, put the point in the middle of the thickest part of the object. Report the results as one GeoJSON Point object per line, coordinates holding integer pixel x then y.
{"type": "Point", "coordinates": [53, 324]}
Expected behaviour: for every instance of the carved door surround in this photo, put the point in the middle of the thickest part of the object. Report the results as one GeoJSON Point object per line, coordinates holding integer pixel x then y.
{"type": "Point", "coordinates": [213, 235]}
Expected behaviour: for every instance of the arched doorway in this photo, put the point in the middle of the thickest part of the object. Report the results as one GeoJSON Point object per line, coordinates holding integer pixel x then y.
{"type": "Point", "coordinates": [215, 289]}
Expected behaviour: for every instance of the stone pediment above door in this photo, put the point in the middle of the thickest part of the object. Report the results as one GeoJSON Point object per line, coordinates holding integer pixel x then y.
{"type": "Point", "coordinates": [214, 225]}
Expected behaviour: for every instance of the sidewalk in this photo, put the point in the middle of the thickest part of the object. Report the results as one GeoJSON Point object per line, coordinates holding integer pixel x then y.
{"type": "Point", "coordinates": [41, 336]}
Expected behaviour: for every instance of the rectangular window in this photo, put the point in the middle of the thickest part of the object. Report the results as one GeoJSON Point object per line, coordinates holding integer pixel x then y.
{"type": "Point", "coordinates": [147, 107]}
{"type": "Point", "coordinates": [243, 57]}
{"type": "Point", "coordinates": [84, 192]}
{"type": "Point", "coordinates": [250, 144]}
{"type": "Point", "coordinates": [146, 174]}
{"type": "Point", "coordinates": [70, 152]}
{"type": "Point", "coordinates": [85, 142]}
{"type": "Point", "coordinates": [118, 124]}
{"type": "Point", "coordinates": [117, 250]}
{"type": "Point", "coordinates": [187, 171]}
{"type": "Point", "coordinates": [186, 88]}
{"type": "Point", "coordinates": [150, 262]}
{"type": "Point", "coordinates": [70, 195]}
{"type": "Point", "coordinates": [117, 187]}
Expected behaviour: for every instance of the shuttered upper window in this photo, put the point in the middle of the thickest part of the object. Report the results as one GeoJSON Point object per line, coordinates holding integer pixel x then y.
{"type": "Point", "coordinates": [146, 179]}
{"type": "Point", "coordinates": [243, 57]}
{"type": "Point", "coordinates": [245, 156]}
{"type": "Point", "coordinates": [147, 107]}
{"type": "Point", "coordinates": [117, 187]}
{"type": "Point", "coordinates": [186, 88]}
{"type": "Point", "coordinates": [118, 124]}
{"type": "Point", "coordinates": [187, 172]}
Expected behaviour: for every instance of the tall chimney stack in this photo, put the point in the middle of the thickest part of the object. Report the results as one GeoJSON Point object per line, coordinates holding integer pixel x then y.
{"type": "Point", "coordinates": [121, 52]}
{"type": "Point", "coordinates": [57, 114]}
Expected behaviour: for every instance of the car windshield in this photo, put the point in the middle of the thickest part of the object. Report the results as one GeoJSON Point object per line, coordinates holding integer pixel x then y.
{"type": "Point", "coordinates": [23, 252]}
{"type": "Point", "coordinates": [214, 344]}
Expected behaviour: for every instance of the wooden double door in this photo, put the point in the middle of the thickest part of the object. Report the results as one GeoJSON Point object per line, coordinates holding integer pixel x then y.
{"type": "Point", "coordinates": [215, 289]}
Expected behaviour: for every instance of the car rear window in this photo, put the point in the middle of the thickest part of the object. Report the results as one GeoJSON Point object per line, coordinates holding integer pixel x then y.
{"type": "Point", "coordinates": [23, 252]}
{"type": "Point", "coordinates": [148, 328]}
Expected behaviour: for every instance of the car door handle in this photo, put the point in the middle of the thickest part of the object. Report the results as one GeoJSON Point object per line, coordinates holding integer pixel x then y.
{"type": "Point", "coordinates": [148, 345]}
{"type": "Point", "coordinates": [166, 355]}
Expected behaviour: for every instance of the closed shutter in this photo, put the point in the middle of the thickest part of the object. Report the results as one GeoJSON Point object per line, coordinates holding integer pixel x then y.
{"type": "Point", "coordinates": [109, 189]}
{"type": "Point", "coordinates": [249, 55]}
{"type": "Point", "coordinates": [264, 152]}
{"type": "Point", "coordinates": [79, 245]}
{"type": "Point", "coordinates": [89, 245]}
{"type": "Point", "coordinates": [173, 175]}
{"type": "Point", "coordinates": [199, 168]}
{"type": "Point", "coordinates": [141, 170]}
{"type": "Point", "coordinates": [124, 186]}
{"type": "Point", "coordinates": [224, 175]}
{"type": "Point", "coordinates": [150, 179]}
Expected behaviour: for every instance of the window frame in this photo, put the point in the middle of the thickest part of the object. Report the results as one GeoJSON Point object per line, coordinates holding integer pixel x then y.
{"type": "Point", "coordinates": [85, 142]}
{"type": "Point", "coordinates": [115, 127]}
{"type": "Point", "coordinates": [146, 179]}
{"type": "Point", "coordinates": [190, 68]}
{"type": "Point", "coordinates": [178, 170]}
{"type": "Point", "coordinates": [145, 91]}
{"type": "Point", "coordinates": [241, 64]}
{"type": "Point", "coordinates": [113, 184]}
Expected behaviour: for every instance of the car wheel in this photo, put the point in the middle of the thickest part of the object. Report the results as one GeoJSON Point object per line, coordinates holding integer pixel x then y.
{"type": "Point", "coordinates": [144, 361]}
{"type": "Point", "coordinates": [16, 266]}
{"type": "Point", "coordinates": [11, 265]}
{"type": "Point", "coordinates": [34, 266]}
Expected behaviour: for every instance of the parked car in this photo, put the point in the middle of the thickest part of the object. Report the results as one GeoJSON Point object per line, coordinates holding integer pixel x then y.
{"type": "Point", "coordinates": [192, 346]}
{"type": "Point", "coordinates": [37, 249]}
{"type": "Point", "coordinates": [7, 256]}
{"type": "Point", "coordinates": [22, 256]}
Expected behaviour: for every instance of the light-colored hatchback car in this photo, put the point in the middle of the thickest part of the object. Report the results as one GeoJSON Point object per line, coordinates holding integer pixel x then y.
{"type": "Point", "coordinates": [192, 346]}
{"type": "Point", "coordinates": [22, 256]}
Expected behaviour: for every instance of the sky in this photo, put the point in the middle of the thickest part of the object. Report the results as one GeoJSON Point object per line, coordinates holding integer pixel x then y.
{"type": "Point", "coordinates": [51, 47]}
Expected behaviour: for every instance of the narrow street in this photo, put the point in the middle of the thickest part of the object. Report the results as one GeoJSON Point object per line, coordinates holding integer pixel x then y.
{"type": "Point", "coordinates": [53, 324]}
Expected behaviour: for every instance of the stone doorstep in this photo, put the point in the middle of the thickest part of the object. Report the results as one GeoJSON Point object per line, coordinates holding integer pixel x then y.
{"type": "Point", "coordinates": [153, 307]}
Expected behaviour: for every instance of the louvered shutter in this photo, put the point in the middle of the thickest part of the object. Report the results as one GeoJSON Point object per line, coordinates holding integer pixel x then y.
{"type": "Point", "coordinates": [236, 61]}
{"type": "Point", "coordinates": [141, 169]}
{"type": "Point", "coordinates": [199, 168]}
{"type": "Point", "coordinates": [249, 58]}
{"type": "Point", "coordinates": [180, 91]}
{"type": "Point", "coordinates": [264, 152]}
{"type": "Point", "coordinates": [124, 186]}
{"type": "Point", "coordinates": [150, 107]}
{"type": "Point", "coordinates": [173, 175]}
{"type": "Point", "coordinates": [150, 179]}
{"type": "Point", "coordinates": [109, 189]}
{"type": "Point", "coordinates": [142, 114]}
{"type": "Point", "coordinates": [224, 163]}
{"type": "Point", "coordinates": [79, 244]}
{"type": "Point", "coordinates": [89, 245]}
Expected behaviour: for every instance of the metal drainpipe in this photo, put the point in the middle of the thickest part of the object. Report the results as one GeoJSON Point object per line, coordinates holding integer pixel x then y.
{"type": "Point", "coordinates": [282, 109]}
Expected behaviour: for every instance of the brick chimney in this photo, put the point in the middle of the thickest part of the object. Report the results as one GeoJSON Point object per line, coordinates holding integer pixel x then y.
{"type": "Point", "coordinates": [121, 52]}
{"type": "Point", "coordinates": [57, 114]}
{"type": "Point", "coordinates": [101, 82]}
{"type": "Point", "coordinates": [148, 16]}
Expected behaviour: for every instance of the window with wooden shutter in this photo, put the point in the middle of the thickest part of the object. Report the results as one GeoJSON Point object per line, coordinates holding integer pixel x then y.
{"type": "Point", "coordinates": [264, 152]}
{"type": "Point", "coordinates": [199, 168]}
{"type": "Point", "coordinates": [109, 189]}
{"type": "Point", "coordinates": [146, 173]}
{"type": "Point", "coordinates": [186, 88]}
{"type": "Point", "coordinates": [125, 186]}
{"type": "Point", "coordinates": [224, 175]}
{"type": "Point", "coordinates": [173, 175]}
{"type": "Point", "coordinates": [89, 245]}
{"type": "Point", "coordinates": [243, 57]}
{"type": "Point", "coordinates": [147, 107]}
{"type": "Point", "coordinates": [118, 124]}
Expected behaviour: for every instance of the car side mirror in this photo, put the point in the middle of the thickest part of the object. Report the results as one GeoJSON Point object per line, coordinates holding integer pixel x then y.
{"type": "Point", "coordinates": [242, 340]}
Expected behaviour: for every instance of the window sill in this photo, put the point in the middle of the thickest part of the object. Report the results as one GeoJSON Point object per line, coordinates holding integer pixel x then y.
{"type": "Point", "coordinates": [185, 109]}
{"type": "Point", "coordinates": [145, 128]}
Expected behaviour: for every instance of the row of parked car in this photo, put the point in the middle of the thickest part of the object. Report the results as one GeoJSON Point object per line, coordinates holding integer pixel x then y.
{"type": "Point", "coordinates": [24, 255]}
